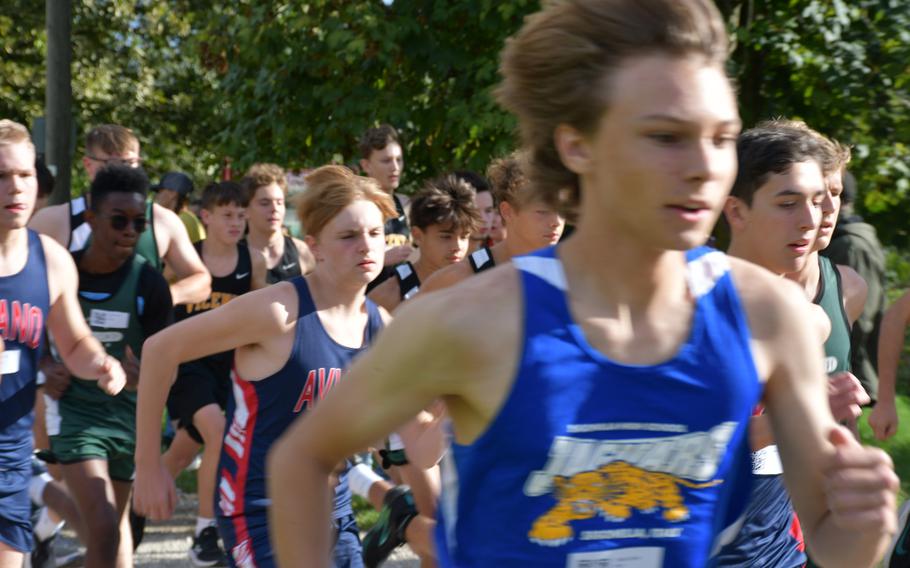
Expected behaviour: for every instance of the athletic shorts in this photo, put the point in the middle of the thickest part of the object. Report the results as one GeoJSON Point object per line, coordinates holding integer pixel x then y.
{"type": "Point", "coordinates": [15, 508]}
{"type": "Point", "coordinates": [197, 386]}
{"type": "Point", "coordinates": [84, 446]}
{"type": "Point", "coordinates": [246, 541]}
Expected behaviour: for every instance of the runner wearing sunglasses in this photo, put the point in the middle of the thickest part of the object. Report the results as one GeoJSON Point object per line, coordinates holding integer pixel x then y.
{"type": "Point", "coordinates": [124, 299]}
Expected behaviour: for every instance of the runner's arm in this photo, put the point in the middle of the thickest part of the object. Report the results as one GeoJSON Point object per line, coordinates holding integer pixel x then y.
{"type": "Point", "coordinates": [52, 221]}
{"type": "Point", "coordinates": [844, 493]}
{"type": "Point", "coordinates": [244, 320]}
{"type": "Point", "coordinates": [194, 283]}
{"type": "Point", "coordinates": [884, 419]}
{"type": "Point", "coordinates": [855, 292]}
{"type": "Point", "coordinates": [387, 294]}
{"type": "Point", "coordinates": [82, 354]}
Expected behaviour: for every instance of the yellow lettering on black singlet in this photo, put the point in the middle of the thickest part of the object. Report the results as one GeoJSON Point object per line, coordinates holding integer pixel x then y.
{"type": "Point", "coordinates": [215, 300]}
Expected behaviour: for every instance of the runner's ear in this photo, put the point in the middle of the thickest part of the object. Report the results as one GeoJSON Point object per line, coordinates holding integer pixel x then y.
{"type": "Point", "coordinates": [736, 212]}
{"type": "Point", "coordinates": [573, 148]}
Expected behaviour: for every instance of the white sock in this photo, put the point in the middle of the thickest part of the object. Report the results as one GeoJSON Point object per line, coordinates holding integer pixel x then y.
{"type": "Point", "coordinates": [361, 478]}
{"type": "Point", "coordinates": [204, 523]}
{"type": "Point", "coordinates": [46, 527]}
{"type": "Point", "coordinates": [36, 488]}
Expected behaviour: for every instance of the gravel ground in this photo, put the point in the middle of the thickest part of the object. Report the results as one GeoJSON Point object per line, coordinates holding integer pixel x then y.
{"type": "Point", "coordinates": [165, 544]}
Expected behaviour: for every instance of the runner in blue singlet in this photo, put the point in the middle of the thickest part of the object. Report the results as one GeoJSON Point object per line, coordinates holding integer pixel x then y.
{"type": "Point", "coordinates": [37, 291]}
{"type": "Point", "coordinates": [600, 391]}
{"type": "Point", "coordinates": [294, 341]}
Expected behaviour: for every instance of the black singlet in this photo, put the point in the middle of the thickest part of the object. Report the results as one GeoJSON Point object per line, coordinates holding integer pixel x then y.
{"type": "Point", "coordinates": [288, 266]}
{"type": "Point", "coordinates": [224, 288]}
{"type": "Point", "coordinates": [481, 259]}
{"type": "Point", "coordinates": [408, 281]}
{"type": "Point", "coordinates": [397, 230]}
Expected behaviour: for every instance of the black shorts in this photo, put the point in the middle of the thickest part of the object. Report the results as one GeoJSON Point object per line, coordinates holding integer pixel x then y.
{"type": "Point", "coordinates": [197, 385]}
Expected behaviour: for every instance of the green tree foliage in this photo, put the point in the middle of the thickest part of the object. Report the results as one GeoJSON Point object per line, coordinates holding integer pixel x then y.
{"type": "Point", "coordinates": [296, 81]}
{"type": "Point", "coordinates": [130, 66]}
{"type": "Point", "coordinates": [842, 66]}
{"type": "Point", "coordinates": [301, 80]}
{"type": "Point", "coordinates": [22, 48]}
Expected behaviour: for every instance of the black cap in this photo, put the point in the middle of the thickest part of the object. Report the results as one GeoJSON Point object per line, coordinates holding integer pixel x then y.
{"type": "Point", "coordinates": [175, 181]}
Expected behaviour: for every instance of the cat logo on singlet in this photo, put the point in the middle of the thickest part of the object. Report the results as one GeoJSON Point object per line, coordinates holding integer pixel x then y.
{"type": "Point", "coordinates": [395, 240]}
{"type": "Point", "coordinates": [616, 480]}
{"type": "Point", "coordinates": [613, 492]}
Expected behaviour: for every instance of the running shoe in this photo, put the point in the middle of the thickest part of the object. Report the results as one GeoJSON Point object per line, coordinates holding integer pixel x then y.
{"type": "Point", "coordinates": [388, 534]}
{"type": "Point", "coordinates": [206, 551]}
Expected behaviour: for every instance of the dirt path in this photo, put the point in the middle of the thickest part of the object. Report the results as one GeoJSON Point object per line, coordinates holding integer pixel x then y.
{"type": "Point", "coordinates": [165, 544]}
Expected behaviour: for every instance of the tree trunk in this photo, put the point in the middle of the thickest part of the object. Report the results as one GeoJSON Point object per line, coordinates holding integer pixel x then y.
{"type": "Point", "coordinates": [58, 97]}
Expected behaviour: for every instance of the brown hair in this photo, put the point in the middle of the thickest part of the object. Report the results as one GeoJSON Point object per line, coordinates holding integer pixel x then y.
{"type": "Point", "coordinates": [772, 147]}
{"type": "Point", "coordinates": [224, 193]}
{"type": "Point", "coordinates": [261, 175]}
{"type": "Point", "coordinates": [376, 139]}
{"type": "Point", "coordinates": [14, 133]}
{"type": "Point", "coordinates": [112, 139]}
{"type": "Point", "coordinates": [556, 67]}
{"type": "Point", "coordinates": [508, 181]}
{"type": "Point", "coordinates": [446, 201]}
{"type": "Point", "coordinates": [332, 188]}
{"type": "Point", "coordinates": [835, 156]}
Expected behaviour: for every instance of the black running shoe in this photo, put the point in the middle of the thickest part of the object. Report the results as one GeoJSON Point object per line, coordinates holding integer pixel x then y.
{"type": "Point", "coordinates": [206, 551]}
{"type": "Point", "coordinates": [137, 526]}
{"type": "Point", "coordinates": [388, 533]}
{"type": "Point", "coordinates": [43, 555]}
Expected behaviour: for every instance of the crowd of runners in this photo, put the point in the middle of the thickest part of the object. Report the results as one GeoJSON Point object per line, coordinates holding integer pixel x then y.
{"type": "Point", "coordinates": [542, 364]}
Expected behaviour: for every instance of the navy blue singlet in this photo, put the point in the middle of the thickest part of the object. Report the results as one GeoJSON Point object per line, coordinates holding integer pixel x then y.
{"type": "Point", "coordinates": [591, 462]}
{"type": "Point", "coordinates": [259, 413]}
{"type": "Point", "coordinates": [24, 304]}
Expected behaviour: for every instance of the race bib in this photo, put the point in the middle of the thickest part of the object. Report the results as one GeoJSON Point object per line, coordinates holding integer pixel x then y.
{"type": "Point", "coordinates": [640, 557]}
{"type": "Point", "coordinates": [766, 461]}
{"type": "Point", "coordinates": [109, 319]}
{"type": "Point", "coordinates": [9, 362]}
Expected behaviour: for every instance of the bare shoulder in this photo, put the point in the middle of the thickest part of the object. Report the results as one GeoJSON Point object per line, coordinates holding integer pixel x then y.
{"type": "Point", "coordinates": [278, 303]}
{"type": "Point", "coordinates": [851, 278]}
{"type": "Point", "coordinates": [165, 218]}
{"type": "Point", "coordinates": [387, 294]}
{"type": "Point", "coordinates": [471, 309]}
{"type": "Point", "coordinates": [766, 297]}
{"type": "Point", "coordinates": [52, 221]}
{"type": "Point", "coordinates": [448, 276]}
{"type": "Point", "coordinates": [754, 281]}
{"type": "Point", "coordinates": [61, 269]}
{"type": "Point", "coordinates": [778, 315]}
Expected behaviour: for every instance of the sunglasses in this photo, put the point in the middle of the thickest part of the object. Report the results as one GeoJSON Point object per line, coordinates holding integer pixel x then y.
{"type": "Point", "coordinates": [120, 222]}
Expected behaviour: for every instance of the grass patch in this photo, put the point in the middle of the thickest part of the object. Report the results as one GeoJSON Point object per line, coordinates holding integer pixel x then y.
{"type": "Point", "coordinates": [186, 481]}
{"type": "Point", "coordinates": [365, 513]}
